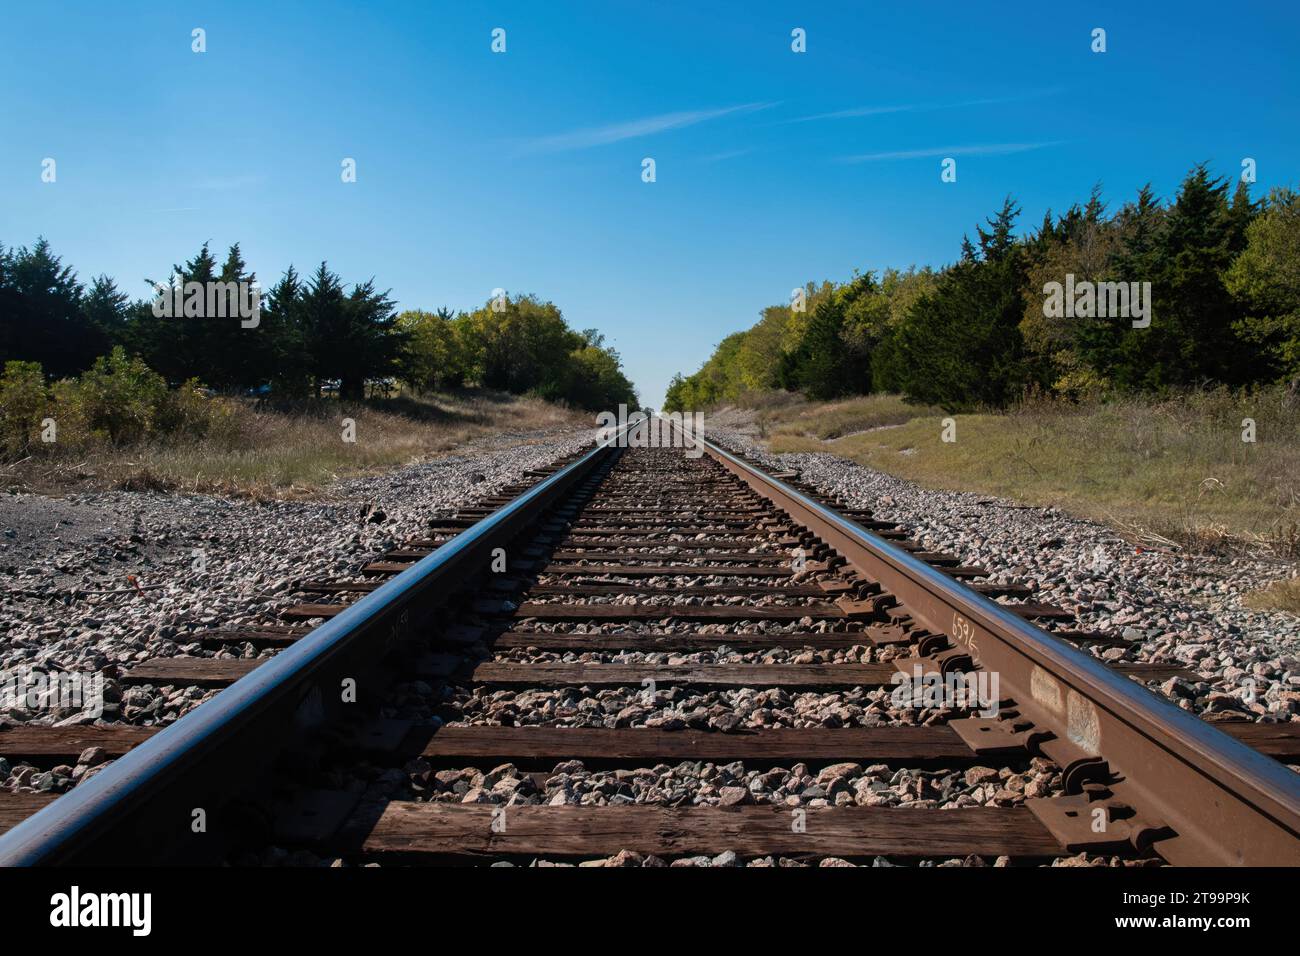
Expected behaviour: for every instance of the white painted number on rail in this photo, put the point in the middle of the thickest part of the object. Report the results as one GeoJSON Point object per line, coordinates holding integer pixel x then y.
{"type": "Point", "coordinates": [963, 631]}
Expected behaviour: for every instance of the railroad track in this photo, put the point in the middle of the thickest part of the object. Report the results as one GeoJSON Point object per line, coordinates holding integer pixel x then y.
{"type": "Point", "coordinates": [639, 653]}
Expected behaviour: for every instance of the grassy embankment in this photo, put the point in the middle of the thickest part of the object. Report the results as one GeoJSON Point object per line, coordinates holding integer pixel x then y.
{"type": "Point", "coordinates": [292, 451]}
{"type": "Point", "coordinates": [1169, 473]}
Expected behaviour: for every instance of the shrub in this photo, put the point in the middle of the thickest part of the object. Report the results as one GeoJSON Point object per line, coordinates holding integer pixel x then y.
{"type": "Point", "coordinates": [68, 409]}
{"type": "Point", "coordinates": [187, 412]}
{"type": "Point", "coordinates": [120, 397]}
{"type": "Point", "coordinates": [24, 402]}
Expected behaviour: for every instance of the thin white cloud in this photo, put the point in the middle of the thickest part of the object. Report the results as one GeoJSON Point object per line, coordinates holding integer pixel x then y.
{"type": "Point", "coordinates": [633, 129]}
{"type": "Point", "coordinates": [859, 111]}
{"type": "Point", "coordinates": [990, 149]}
{"type": "Point", "coordinates": [729, 154]}
{"type": "Point", "coordinates": [924, 107]}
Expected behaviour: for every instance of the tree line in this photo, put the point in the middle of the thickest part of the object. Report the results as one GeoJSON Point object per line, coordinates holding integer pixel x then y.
{"type": "Point", "coordinates": [309, 331]}
{"type": "Point", "coordinates": [1224, 308]}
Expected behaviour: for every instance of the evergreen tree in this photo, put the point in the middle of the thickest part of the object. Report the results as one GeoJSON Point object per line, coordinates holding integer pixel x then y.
{"type": "Point", "coordinates": [834, 356]}
{"type": "Point", "coordinates": [818, 360]}
{"type": "Point", "coordinates": [1241, 213]}
{"type": "Point", "coordinates": [348, 336]}
{"type": "Point", "coordinates": [177, 345]}
{"type": "Point", "coordinates": [234, 354]}
{"type": "Point", "coordinates": [282, 357]}
{"type": "Point", "coordinates": [1191, 338]}
{"type": "Point", "coordinates": [42, 319]}
{"type": "Point", "coordinates": [1110, 347]}
{"type": "Point", "coordinates": [104, 308]}
{"type": "Point", "coordinates": [960, 346]}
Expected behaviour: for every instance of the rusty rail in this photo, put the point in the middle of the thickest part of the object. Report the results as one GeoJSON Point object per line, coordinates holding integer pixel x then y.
{"type": "Point", "coordinates": [1155, 775]}
{"type": "Point", "coordinates": [147, 801]}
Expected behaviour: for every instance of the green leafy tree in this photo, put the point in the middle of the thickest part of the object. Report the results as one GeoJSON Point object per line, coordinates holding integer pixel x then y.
{"type": "Point", "coordinates": [1265, 279]}
{"type": "Point", "coordinates": [520, 347]}
{"type": "Point", "coordinates": [119, 396]}
{"type": "Point", "coordinates": [434, 357]}
{"type": "Point", "coordinates": [596, 381]}
{"type": "Point", "coordinates": [23, 403]}
{"type": "Point", "coordinates": [1221, 274]}
{"type": "Point", "coordinates": [759, 356]}
{"type": "Point", "coordinates": [677, 399]}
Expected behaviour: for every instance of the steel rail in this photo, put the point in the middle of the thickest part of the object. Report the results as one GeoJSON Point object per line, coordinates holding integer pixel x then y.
{"type": "Point", "coordinates": [145, 801]}
{"type": "Point", "coordinates": [1224, 802]}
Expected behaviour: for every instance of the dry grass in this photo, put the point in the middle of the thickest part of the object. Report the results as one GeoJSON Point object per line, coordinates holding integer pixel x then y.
{"type": "Point", "coordinates": [1173, 471]}
{"type": "Point", "coordinates": [293, 451]}
{"type": "Point", "coordinates": [799, 418]}
{"type": "Point", "coordinates": [1283, 595]}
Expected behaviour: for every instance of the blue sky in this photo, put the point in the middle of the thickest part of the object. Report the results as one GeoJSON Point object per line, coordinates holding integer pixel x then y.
{"type": "Point", "coordinates": [522, 170]}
